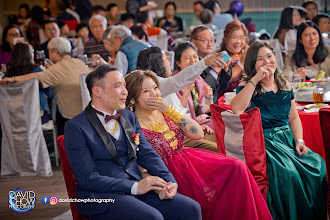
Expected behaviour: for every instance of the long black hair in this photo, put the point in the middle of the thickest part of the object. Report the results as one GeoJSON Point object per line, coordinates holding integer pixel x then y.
{"type": "Point", "coordinates": [286, 21]}
{"type": "Point", "coordinates": [300, 57]}
{"type": "Point", "coordinates": [250, 69]}
{"type": "Point", "coordinates": [151, 59]}
{"type": "Point", "coordinates": [5, 44]}
{"type": "Point", "coordinates": [21, 61]}
{"type": "Point", "coordinates": [179, 50]}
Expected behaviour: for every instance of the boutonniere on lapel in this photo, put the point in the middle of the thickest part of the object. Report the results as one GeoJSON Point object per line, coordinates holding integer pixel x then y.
{"type": "Point", "coordinates": [136, 139]}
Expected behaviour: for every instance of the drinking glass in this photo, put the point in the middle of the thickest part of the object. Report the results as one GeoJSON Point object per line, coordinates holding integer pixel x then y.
{"type": "Point", "coordinates": [40, 57]}
{"type": "Point", "coordinates": [318, 95]}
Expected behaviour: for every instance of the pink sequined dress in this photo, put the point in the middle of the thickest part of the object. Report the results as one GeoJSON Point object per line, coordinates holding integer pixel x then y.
{"type": "Point", "coordinates": [222, 185]}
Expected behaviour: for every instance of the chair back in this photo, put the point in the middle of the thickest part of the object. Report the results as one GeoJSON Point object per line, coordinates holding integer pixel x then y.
{"type": "Point", "coordinates": [277, 48]}
{"type": "Point", "coordinates": [324, 115]}
{"type": "Point", "coordinates": [241, 136]}
{"type": "Point", "coordinates": [69, 178]}
{"type": "Point", "coordinates": [24, 151]}
{"type": "Point", "coordinates": [86, 98]}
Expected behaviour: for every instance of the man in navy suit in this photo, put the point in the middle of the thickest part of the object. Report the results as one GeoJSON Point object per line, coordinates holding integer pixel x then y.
{"type": "Point", "coordinates": [104, 158]}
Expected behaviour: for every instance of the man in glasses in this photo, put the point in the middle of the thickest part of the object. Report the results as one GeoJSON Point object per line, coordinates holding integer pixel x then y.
{"type": "Point", "coordinates": [216, 77]}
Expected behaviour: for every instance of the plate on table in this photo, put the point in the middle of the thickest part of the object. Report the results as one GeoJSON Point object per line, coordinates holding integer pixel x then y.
{"type": "Point", "coordinates": [306, 86]}
{"type": "Point", "coordinates": [316, 105]}
{"type": "Point", "coordinates": [319, 80]}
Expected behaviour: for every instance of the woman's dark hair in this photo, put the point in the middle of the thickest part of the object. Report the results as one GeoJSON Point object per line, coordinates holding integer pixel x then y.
{"type": "Point", "coordinates": [170, 3]}
{"type": "Point", "coordinates": [5, 44]}
{"type": "Point", "coordinates": [27, 8]}
{"type": "Point", "coordinates": [37, 14]}
{"type": "Point", "coordinates": [139, 32]}
{"type": "Point", "coordinates": [300, 57]}
{"type": "Point", "coordinates": [81, 26]}
{"type": "Point", "coordinates": [151, 59]}
{"type": "Point", "coordinates": [211, 5]}
{"type": "Point", "coordinates": [179, 50]}
{"type": "Point", "coordinates": [111, 5]}
{"type": "Point", "coordinates": [134, 82]}
{"type": "Point", "coordinates": [306, 3]}
{"type": "Point", "coordinates": [21, 61]}
{"type": "Point", "coordinates": [286, 21]}
{"type": "Point", "coordinates": [250, 70]}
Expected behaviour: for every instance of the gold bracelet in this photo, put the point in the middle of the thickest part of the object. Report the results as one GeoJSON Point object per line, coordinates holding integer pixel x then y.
{"type": "Point", "coordinates": [173, 114]}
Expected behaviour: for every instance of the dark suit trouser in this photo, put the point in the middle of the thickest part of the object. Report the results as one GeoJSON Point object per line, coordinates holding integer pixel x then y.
{"type": "Point", "coordinates": [150, 207]}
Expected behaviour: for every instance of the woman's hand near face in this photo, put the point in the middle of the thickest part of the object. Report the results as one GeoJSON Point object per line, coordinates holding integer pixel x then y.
{"type": "Point", "coordinates": [157, 103]}
{"type": "Point", "coordinates": [302, 72]}
{"type": "Point", "coordinates": [208, 90]}
{"type": "Point", "coordinates": [265, 72]}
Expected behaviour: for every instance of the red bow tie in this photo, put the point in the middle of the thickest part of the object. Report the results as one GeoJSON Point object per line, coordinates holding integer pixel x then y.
{"type": "Point", "coordinates": [109, 117]}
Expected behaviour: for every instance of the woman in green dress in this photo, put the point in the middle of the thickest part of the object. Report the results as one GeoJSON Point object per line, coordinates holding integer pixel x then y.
{"type": "Point", "coordinates": [297, 182]}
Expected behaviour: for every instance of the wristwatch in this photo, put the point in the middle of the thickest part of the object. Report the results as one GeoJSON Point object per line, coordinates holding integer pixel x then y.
{"type": "Point", "coordinates": [299, 140]}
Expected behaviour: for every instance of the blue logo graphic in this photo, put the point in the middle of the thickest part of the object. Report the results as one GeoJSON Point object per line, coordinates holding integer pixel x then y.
{"type": "Point", "coordinates": [21, 201]}
{"type": "Point", "coordinates": [45, 200]}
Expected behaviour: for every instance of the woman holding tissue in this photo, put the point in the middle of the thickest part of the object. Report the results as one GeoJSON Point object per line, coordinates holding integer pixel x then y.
{"type": "Point", "coordinates": [297, 183]}
{"type": "Point", "coordinates": [10, 32]}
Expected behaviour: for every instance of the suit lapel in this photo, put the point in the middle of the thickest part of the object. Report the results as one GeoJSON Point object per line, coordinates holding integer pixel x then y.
{"type": "Point", "coordinates": [128, 132]}
{"type": "Point", "coordinates": [94, 120]}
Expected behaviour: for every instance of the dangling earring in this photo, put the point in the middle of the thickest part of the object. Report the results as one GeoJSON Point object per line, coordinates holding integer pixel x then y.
{"type": "Point", "coordinates": [131, 106]}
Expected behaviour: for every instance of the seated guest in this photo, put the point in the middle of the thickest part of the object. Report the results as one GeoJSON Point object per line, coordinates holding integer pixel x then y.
{"type": "Point", "coordinates": [127, 48]}
{"type": "Point", "coordinates": [111, 167]}
{"type": "Point", "coordinates": [220, 20]}
{"type": "Point", "coordinates": [310, 55]}
{"type": "Point", "coordinates": [155, 60]}
{"type": "Point", "coordinates": [139, 34]}
{"type": "Point", "coordinates": [297, 182]}
{"type": "Point", "coordinates": [9, 33]}
{"type": "Point", "coordinates": [311, 9]}
{"type": "Point", "coordinates": [64, 30]}
{"type": "Point", "coordinates": [127, 19]}
{"type": "Point", "coordinates": [97, 25]}
{"type": "Point", "coordinates": [206, 17]}
{"type": "Point", "coordinates": [99, 10]}
{"type": "Point", "coordinates": [235, 42]}
{"type": "Point", "coordinates": [198, 7]}
{"type": "Point", "coordinates": [63, 77]}
{"type": "Point", "coordinates": [215, 181]}
{"type": "Point", "coordinates": [66, 15]}
{"type": "Point", "coordinates": [323, 22]}
{"type": "Point", "coordinates": [21, 63]}
{"type": "Point", "coordinates": [198, 96]}
{"type": "Point", "coordinates": [82, 34]}
{"type": "Point", "coordinates": [51, 31]}
{"type": "Point", "coordinates": [170, 22]}
{"type": "Point", "coordinates": [286, 32]}
{"type": "Point", "coordinates": [214, 76]}
{"type": "Point", "coordinates": [113, 13]}
{"type": "Point", "coordinates": [147, 21]}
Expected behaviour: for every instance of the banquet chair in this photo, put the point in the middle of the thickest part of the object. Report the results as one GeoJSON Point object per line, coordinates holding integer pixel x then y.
{"type": "Point", "coordinates": [241, 136]}
{"type": "Point", "coordinates": [324, 116]}
{"type": "Point", "coordinates": [70, 180]}
{"type": "Point", "coordinates": [24, 151]}
{"type": "Point", "coordinates": [84, 91]}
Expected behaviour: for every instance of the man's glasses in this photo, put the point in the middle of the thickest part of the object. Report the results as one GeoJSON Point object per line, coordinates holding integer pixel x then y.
{"type": "Point", "coordinates": [204, 41]}
{"type": "Point", "coordinates": [51, 29]}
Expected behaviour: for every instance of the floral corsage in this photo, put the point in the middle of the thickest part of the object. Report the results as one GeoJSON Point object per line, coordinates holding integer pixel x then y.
{"type": "Point", "coordinates": [136, 139]}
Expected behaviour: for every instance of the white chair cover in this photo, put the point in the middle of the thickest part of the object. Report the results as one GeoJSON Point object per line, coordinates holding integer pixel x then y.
{"type": "Point", "coordinates": [277, 48]}
{"type": "Point", "coordinates": [24, 150]}
{"type": "Point", "coordinates": [86, 98]}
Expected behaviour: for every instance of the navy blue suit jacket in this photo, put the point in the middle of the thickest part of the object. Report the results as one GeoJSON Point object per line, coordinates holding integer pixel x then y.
{"type": "Point", "coordinates": [97, 173]}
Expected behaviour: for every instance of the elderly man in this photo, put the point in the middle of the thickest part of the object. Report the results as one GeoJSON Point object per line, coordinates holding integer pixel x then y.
{"type": "Point", "coordinates": [127, 48]}
{"type": "Point", "coordinates": [51, 31]}
{"type": "Point", "coordinates": [217, 78]}
{"type": "Point", "coordinates": [97, 25]}
{"type": "Point", "coordinates": [63, 77]}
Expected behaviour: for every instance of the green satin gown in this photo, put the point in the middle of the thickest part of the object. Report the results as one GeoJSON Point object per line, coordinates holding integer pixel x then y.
{"type": "Point", "coordinates": [297, 184]}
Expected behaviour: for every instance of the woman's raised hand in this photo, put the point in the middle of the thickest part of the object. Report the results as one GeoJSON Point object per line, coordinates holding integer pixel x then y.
{"type": "Point", "coordinates": [158, 103]}
{"type": "Point", "coordinates": [265, 72]}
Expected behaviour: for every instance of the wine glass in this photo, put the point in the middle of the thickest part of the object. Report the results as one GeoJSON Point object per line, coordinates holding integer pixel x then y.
{"type": "Point", "coordinates": [40, 57]}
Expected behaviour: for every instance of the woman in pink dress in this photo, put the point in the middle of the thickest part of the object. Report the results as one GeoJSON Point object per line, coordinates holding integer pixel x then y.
{"type": "Point", "coordinates": [222, 185]}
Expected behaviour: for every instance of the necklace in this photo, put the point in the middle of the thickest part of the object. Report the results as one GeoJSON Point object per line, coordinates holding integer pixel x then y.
{"type": "Point", "coordinates": [111, 130]}
{"type": "Point", "coordinates": [168, 134]}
